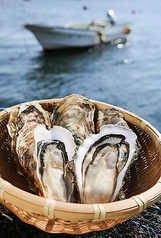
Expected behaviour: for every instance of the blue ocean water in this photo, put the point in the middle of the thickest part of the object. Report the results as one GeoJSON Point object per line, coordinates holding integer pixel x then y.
{"type": "Point", "coordinates": [126, 75]}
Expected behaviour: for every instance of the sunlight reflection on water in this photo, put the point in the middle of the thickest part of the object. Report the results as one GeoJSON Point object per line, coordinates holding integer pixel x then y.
{"type": "Point", "coordinates": [126, 75]}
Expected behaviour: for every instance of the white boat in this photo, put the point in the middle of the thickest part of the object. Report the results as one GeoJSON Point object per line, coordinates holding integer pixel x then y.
{"type": "Point", "coordinates": [79, 35]}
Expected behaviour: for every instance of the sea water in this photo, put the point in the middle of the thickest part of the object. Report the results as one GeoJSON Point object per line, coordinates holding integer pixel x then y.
{"type": "Point", "coordinates": [125, 75]}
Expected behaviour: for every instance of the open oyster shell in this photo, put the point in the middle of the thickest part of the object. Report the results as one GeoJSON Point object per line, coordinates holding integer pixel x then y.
{"type": "Point", "coordinates": [54, 149]}
{"type": "Point", "coordinates": [102, 163]}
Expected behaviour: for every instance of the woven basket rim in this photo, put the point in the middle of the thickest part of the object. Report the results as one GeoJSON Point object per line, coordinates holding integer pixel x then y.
{"type": "Point", "coordinates": [79, 212]}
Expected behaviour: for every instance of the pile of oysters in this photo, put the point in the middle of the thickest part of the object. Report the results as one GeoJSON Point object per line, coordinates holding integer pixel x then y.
{"type": "Point", "coordinates": [76, 153]}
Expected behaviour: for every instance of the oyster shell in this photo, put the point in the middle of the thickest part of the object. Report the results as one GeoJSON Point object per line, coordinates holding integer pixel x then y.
{"type": "Point", "coordinates": [75, 113]}
{"type": "Point", "coordinates": [54, 149]}
{"type": "Point", "coordinates": [56, 133]}
{"type": "Point", "coordinates": [110, 116]}
{"type": "Point", "coordinates": [20, 126]}
{"type": "Point", "coordinates": [40, 154]}
{"type": "Point", "coordinates": [41, 162]}
{"type": "Point", "coordinates": [102, 163]}
{"type": "Point", "coordinates": [25, 115]}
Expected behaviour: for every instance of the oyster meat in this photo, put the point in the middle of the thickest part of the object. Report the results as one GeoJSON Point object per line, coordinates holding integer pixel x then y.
{"type": "Point", "coordinates": [70, 179]}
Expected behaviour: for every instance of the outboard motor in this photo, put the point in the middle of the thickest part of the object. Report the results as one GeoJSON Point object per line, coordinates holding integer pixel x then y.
{"type": "Point", "coordinates": [112, 17]}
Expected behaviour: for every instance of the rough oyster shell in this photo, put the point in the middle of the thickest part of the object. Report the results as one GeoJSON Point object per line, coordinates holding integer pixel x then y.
{"type": "Point", "coordinates": [102, 162]}
{"type": "Point", "coordinates": [20, 126]}
{"type": "Point", "coordinates": [24, 115]}
{"type": "Point", "coordinates": [109, 116]}
{"type": "Point", "coordinates": [75, 113]}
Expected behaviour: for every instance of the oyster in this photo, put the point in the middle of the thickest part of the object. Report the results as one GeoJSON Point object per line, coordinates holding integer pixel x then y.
{"type": "Point", "coordinates": [102, 163]}
{"type": "Point", "coordinates": [20, 126]}
{"type": "Point", "coordinates": [110, 116]}
{"type": "Point", "coordinates": [54, 149]}
{"type": "Point", "coordinates": [40, 153]}
{"type": "Point", "coordinates": [75, 113]}
{"type": "Point", "coordinates": [51, 158]}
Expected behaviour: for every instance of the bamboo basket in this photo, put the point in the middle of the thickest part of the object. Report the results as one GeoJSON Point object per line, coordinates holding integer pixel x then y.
{"type": "Point", "coordinates": [142, 185]}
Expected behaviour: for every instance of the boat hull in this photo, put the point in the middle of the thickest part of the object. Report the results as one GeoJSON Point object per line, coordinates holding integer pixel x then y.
{"type": "Point", "coordinates": [54, 38]}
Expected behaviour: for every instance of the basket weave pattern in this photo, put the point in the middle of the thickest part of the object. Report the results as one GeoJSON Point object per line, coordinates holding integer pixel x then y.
{"type": "Point", "coordinates": [142, 185]}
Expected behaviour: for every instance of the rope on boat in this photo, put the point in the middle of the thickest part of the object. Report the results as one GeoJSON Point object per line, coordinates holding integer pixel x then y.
{"type": "Point", "coordinates": [101, 37]}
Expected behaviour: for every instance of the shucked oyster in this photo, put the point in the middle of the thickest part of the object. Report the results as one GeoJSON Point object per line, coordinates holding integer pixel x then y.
{"type": "Point", "coordinates": [76, 113]}
{"type": "Point", "coordinates": [102, 163]}
{"type": "Point", "coordinates": [54, 149]}
{"type": "Point", "coordinates": [41, 154]}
